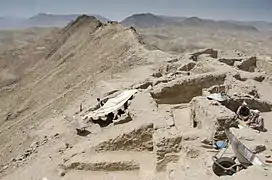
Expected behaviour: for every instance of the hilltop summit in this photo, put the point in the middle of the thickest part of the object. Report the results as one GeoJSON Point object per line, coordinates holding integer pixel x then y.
{"type": "Point", "coordinates": [144, 20]}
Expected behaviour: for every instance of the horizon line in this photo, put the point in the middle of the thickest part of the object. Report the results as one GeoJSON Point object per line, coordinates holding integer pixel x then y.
{"type": "Point", "coordinates": [93, 14]}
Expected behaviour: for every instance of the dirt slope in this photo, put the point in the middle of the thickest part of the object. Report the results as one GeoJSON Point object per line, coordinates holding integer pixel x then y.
{"type": "Point", "coordinates": [21, 50]}
{"type": "Point", "coordinates": [82, 52]}
{"type": "Point", "coordinates": [165, 138]}
{"type": "Point", "coordinates": [170, 125]}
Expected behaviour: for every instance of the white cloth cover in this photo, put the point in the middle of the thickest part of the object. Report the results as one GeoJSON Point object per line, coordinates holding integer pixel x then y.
{"type": "Point", "coordinates": [112, 105]}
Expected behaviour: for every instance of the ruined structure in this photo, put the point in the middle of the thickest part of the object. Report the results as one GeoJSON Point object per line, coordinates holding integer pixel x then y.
{"type": "Point", "coordinates": [168, 129]}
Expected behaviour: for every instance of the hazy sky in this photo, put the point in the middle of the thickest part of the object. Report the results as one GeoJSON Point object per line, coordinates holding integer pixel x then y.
{"type": "Point", "coordinates": [119, 9]}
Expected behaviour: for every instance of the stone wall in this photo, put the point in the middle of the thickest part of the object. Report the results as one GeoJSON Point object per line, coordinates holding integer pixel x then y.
{"type": "Point", "coordinates": [248, 64]}
{"type": "Point", "coordinates": [208, 116]}
{"type": "Point", "coordinates": [182, 90]}
{"type": "Point", "coordinates": [139, 139]}
{"type": "Point", "coordinates": [167, 145]}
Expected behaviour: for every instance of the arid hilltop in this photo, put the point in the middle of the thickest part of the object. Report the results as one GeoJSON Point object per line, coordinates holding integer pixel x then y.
{"type": "Point", "coordinates": [49, 85]}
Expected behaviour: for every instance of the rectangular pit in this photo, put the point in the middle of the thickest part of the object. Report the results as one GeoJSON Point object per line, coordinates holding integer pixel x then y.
{"type": "Point", "coordinates": [182, 90]}
{"type": "Point", "coordinates": [253, 103]}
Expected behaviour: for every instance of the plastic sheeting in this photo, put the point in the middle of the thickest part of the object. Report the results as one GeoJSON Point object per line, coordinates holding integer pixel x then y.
{"type": "Point", "coordinates": [112, 105]}
{"type": "Point", "coordinates": [218, 97]}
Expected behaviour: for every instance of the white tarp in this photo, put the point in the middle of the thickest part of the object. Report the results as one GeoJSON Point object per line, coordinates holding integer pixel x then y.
{"type": "Point", "coordinates": [244, 155]}
{"type": "Point", "coordinates": [112, 105]}
{"type": "Point", "coordinates": [218, 97]}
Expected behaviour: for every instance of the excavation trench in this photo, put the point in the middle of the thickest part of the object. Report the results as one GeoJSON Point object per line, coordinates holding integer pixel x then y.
{"type": "Point", "coordinates": [248, 64]}
{"type": "Point", "coordinates": [184, 89]}
{"type": "Point", "coordinates": [253, 103]}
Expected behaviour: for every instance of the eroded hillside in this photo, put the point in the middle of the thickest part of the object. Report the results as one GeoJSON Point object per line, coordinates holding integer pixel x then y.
{"type": "Point", "coordinates": [165, 129]}
{"type": "Point", "coordinates": [84, 51]}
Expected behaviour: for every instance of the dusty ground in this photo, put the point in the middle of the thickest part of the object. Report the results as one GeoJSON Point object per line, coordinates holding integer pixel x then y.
{"type": "Point", "coordinates": [170, 113]}
{"type": "Point", "coordinates": [16, 39]}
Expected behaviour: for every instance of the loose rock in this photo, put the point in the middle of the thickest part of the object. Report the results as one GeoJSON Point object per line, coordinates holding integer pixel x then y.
{"type": "Point", "coordinates": [258, 149]}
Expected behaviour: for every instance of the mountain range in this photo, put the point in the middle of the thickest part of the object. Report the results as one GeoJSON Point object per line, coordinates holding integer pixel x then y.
{"type": "Point", "coordinates": [148, 20]}
{"type": "Point", "coordinates": [143, 20]}
{"type": "Point", "coordinates": [42, 20]}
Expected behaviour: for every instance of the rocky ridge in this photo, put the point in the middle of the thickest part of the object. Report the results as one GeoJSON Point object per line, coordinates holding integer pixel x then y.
{"type": "Point", "coordinates": [171, 115]}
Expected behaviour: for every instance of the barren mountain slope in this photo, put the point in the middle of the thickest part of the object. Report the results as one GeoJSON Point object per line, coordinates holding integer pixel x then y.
{"type": "Point", "coordinates": [55, 20]}
{"type": "Point", "coordinates": [145, 20]}
{"type": "Point", "coordinates": [42, 20]}
{"type": "Point", "coordinates": [148, 20]}
{"type": "Point", "coordinates": [18, 38]}
{"type": "Point", "coordinates": [84, 51]}
{"type": "Point", "coordinates": [186, 38]}
{"type": "Point", "coordinates": [179, 35]}
{"type": "Point", "coordinates": [166, 131]}
{"type": "Point", "coordinates": [22, 50]}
